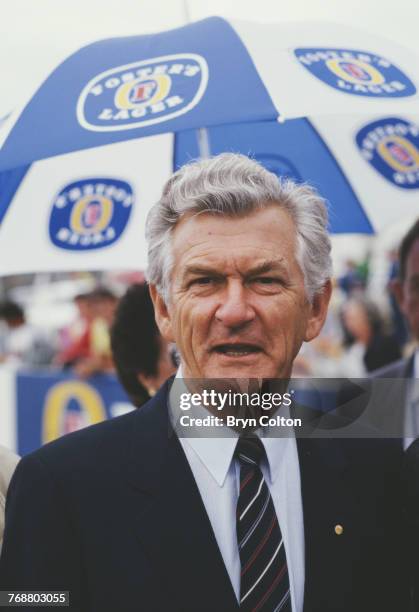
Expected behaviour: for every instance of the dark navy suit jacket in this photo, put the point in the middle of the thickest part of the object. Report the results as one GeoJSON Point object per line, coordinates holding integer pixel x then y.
{"type": "Point", "coordinates": [112, 513]}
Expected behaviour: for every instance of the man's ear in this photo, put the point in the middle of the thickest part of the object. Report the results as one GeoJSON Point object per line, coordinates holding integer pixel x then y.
{"type": "Point", "coordinates": [162, 314]}
{"type": "Point", "coordinates": [318, 312]}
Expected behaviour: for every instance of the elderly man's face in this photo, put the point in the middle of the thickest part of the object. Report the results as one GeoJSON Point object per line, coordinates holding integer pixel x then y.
{"type": "Point", "coordinates": [238, 307]}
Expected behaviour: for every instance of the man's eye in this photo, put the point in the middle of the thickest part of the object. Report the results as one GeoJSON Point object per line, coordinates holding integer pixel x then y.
{"type": "Point", "coordinates": [203, 280]}
{"type": "Point", "coordinates": [266, 280]}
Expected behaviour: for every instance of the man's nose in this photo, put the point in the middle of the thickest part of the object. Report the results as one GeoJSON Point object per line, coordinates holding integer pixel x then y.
{"type": "Point", "coordinates": [235, 309]}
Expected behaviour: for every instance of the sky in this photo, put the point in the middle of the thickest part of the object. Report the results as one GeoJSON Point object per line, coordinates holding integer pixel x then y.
{"type": "Point", "coordinates": [36, 34]}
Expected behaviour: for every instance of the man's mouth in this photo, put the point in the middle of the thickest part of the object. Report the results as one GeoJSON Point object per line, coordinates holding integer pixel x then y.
{"type": "Point", "coordinates": [237, 349]}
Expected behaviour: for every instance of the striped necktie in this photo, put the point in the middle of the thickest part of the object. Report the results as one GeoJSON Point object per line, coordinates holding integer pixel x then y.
{"type": "Point", "coordinates": [264, 581]}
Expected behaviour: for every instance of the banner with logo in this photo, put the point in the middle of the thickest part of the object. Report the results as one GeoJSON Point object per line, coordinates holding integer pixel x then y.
{"type": "Point", "coordinates": [211, 72]}
{"type": "Point", "coordinates": [86, 210]}
{"type": "Point", "coordinates": [380, 158]}
{"type": "Point", "coordinates": [48, 406]}
{"type": "Point", "coordinates": [123, 88]}
{"type": "Point", "coordinates": [104, 131]}
{"type": "Point", "coordinates": [316, 68]}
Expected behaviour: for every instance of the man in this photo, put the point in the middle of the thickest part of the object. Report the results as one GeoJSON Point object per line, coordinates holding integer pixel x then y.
{"type": "Point", "coordinates": [127, 516]}
{"type": "Point", "coordinates": [401, 414]}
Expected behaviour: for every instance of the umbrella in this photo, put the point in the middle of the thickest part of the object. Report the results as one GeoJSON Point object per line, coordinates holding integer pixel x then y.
{"type": "Point", "coordinates": [111, 121]}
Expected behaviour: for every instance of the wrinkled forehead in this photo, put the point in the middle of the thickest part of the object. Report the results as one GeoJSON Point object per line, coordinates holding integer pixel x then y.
{"type": "Point", "coordinates": [271, 220]}
{"type": "Point", "coordinates": [267, 235]}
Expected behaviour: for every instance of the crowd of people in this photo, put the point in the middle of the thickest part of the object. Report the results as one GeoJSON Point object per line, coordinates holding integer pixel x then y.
{"type": "Point", "coordinates": [358, 336]}
{"type": "Point", "coordinates": [108, 334]}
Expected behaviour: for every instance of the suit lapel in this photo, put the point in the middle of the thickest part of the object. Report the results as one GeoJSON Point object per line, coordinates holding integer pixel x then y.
{"type": "Point", "coordinates": [171, 520]}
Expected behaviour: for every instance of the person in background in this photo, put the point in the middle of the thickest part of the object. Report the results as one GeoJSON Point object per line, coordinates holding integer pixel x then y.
{"type": "Point", "coordinates": [8, 462]}
{"type": "Point", "coordinates": [370, 346]}
{"type": "Point", "coordinates": [74, 338]}
{"type": "Point", "coordinates": [406, 370]}
{"type": "Point", "coordinates": [142, 358]}
{"type": "Point", "coordinates": [406, 290]}
{"type": "Point", "coordinates": [97, 356]}
{"type": "Point", "coordinates": [401, 331]}
{"type": "Point", "coordinates": [353, 280]}
{"type": "Point", "coordinates": [23, 343]}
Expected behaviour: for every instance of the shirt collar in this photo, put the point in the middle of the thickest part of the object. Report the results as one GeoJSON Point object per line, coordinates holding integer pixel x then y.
{"type": "Point", "coordinates": [216, 453]}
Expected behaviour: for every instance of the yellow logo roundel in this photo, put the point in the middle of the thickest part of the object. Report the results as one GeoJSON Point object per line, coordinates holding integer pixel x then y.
{"type": "Point", "coordinates": [56, 417]}
{"type": "Point", "coordinates": [399, 153]}
{"type": "Point", "coordinates": [391, 146]}
{"type": "Point", "coordinates": [90, 214]}
{"type": "Point", "coordinates": [143, 92]}
{"type": "Point", "coordinates": [355, 71]}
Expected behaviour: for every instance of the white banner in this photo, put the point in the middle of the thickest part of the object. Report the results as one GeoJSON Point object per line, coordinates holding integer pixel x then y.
{"type": "Point", "coordinates": [86, 210]}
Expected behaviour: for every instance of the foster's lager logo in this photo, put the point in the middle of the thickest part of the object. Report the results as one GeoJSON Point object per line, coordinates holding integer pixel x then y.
{"type": "Point", "coordinates": [356, 72]}
{"type": "Point", "coordinates": [143, 93]}
{"type": "Point", "coordinates": [90, 214]}
{"type": "Point", "coordinates": [69, 406]}
{"type": "Point", "coordinates": [391, 146]}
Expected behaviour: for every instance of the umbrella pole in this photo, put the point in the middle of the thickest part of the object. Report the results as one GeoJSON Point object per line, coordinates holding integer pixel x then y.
{"type": "Point", "coordinates": [203, 143]}
{"type": "Point", "coordinates": [186, 12]}
{"type": "Point", "coordinates": [201, 133]}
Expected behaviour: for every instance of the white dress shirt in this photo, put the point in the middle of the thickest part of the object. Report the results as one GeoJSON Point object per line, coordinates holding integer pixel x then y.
{"type": "Point", "coordinates": [217, 475]}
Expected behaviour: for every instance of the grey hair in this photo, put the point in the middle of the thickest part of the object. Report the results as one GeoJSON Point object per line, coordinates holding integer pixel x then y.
{"type": "Point", "coordinates": [234, 185]}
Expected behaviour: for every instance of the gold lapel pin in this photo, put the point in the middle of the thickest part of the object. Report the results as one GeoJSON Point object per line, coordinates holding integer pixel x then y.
{"type": "Point", "coordinates": [338, 529]}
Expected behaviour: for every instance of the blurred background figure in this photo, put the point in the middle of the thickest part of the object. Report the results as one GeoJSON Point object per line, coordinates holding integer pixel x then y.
{"type": "Point", "coordinates": [370, 345]}
{"type": "Point", "coordinates": [86, 343]}
{"type": "Point", "coordinates": [143, 360]}
{"type": "Point", "coordinates": [406, 288]}
{"type": "Point", "coordinates": [98, 358]}
{"type": "Point", "coordinates": [74, 337]}
{"type": "Point", "coordinates": [20, 342]}
{"type": "Point", "coordinates": [8, 462]}
{"type": "Point", "coordinates": [354, 277]}
{"type": "Point", "coordinates": [399, 324]}
{"type": "Point", "coordinates": [406, 291]}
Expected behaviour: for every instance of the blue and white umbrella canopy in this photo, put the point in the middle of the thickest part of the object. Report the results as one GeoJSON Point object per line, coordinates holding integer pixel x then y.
{"type": "Point", "coordinates": [87, 156]}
